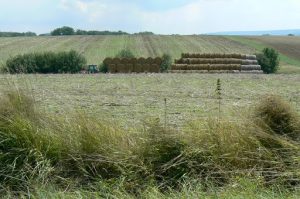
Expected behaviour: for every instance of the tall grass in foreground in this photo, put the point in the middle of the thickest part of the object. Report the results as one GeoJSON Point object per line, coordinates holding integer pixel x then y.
{"type": "Point", "coordinates": [77, 152]}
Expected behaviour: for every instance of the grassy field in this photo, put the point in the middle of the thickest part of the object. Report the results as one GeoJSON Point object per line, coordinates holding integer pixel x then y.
{"type": "Point", "coordinates": [97, 136]}
{"type": "Point", "coordinates": [130, 99]}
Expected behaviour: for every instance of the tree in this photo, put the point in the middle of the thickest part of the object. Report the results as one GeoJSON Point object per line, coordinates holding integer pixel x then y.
{"type": "Point", "coordinates": [269, 60]}
{"type": "Point", "coordinates": [63, 31]}
{"type": "Point", "coordinates": [125, 53]}
{"type": "Point", "coordinates": [166, 62]}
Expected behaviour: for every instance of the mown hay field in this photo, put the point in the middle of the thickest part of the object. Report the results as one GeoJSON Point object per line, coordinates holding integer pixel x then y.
{"type": "Point", "coordinates": [132, 99]}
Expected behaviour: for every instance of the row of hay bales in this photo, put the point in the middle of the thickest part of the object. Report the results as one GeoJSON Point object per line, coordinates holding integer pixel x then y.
{"type": "Point", "coordinates": [206, 67]}
{"type": "Point", "coordinates": [218, 55]}
{"type": "Point", "coordinates": [216, 62]}
{"type": "Point", "coordinates": [133, 65]}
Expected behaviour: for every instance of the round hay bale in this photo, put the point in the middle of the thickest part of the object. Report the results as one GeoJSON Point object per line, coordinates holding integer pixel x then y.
{"type": "Point", "coordinates": [234, 67]}
{"type": "Point", "coordinates": [155, 68]}
{"type": "Point", "coordinates": [237, 56]}
{"type": "Point", "coordinates": [179, 66]}
{"type": "Point", "coordinates": [212, 61]}
{"type": "Point", "coordinates": [107, 61]}
{"type": "Point", "coordinates": [158, 60]}
{"type": "Point", "coordinates": [175, 67]}
{"type": "Point", "coordinates": [216, 55]}
{"type": "Point", "coordinates": [198, 55]}
{"type": "Point", "coordinates": [138, 68]}
{"type": "Point", "coordinates": [122, 68]}
{"type": "Point", "coordinates": [178, 61]}
{"type": "Point", "coordinates": [149, 60]}
{"type": "Point", "coordinates": [130, 67]}
{"type": "Point", "coordinates": [206, 67]}
{"type": "Point", "coordinates": [146, 68]}
{"type": "Point", "coordinates": [236, 61]}
{"type": "Point", "coordinates": [125, 60]}
{"type": "Point", "coordinates": [249, 62]}
{"type": "Point", "coordinates": [185, 55]}
{"type": "Point", "coordinates": [250, 67]}
{"type": "Point", "coordinates": [223, 56]}
{"type": "Point", "coordinates": [189, 67]}
{"type": "Point", "coordinates": [141, 60]}
{"type": "Point", "coordinates": [192, 61]}
{"type": "Point", "coordinates": [213, 67]}
{"type": "Point", "coordinates": [243, 56]}
{"type": "Point", "coordinates": [209, 56]}
{"type": "Point", "coordinates": [112, 68]}
{"type": "Point", "coordinates": [202, 67]}
{"type": "Point", "coordinates": [185, 61]}
{"type": "Point", "coordinates": [133, 60]}
{"type": "Point", "coordinates": [116, 60]}
{"type": "Point", "coordinates": [251, 57]}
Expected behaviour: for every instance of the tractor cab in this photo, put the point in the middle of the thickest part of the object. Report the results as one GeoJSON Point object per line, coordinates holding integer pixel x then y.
{"type": "Point", "coordinates": [93, 68]}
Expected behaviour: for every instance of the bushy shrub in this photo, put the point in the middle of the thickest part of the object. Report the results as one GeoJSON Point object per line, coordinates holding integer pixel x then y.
{"type": "Point", "coordinates": [125, 53]}
{"type": "Point", "coordinates": [65, 30]}
{"type": "Point", "coordinates": [166, 63]}
{"type": "Point", "coordinates": [103, 68]}
{"type": "Point", "coordinates": [278, 116]}
{"type": "Point", "coordinates": [269, 60]}
{"type": "Point", "coordinates": [47, 62]}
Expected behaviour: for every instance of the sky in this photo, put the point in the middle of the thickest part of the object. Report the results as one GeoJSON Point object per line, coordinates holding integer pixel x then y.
{"type": "Point", "coordinates": [159, 16]}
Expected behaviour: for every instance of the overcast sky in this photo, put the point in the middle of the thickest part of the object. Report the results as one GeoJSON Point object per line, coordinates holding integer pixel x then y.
{"type": "Point", "coordinates": [159, 16]}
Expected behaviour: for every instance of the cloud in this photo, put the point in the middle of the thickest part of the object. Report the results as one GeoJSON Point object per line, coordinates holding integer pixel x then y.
{"type": "Point", "coordinates": [160, 16]}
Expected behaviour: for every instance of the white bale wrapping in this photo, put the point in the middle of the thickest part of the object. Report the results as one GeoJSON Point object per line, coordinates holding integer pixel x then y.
{"type": "Point", "coordinates": [251, 57]}
{"type": "Point", "coordinates": [249, 62]}
{"type": "Point", "coordinates": [250, 67]}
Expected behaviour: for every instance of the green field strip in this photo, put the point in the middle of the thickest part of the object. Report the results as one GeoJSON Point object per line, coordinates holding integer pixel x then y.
{"type": "Point", "coordinates": [259, 46]}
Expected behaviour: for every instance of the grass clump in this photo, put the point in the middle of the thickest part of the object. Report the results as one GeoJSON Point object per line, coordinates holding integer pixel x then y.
{"type": "Point", "coordinates": [23, 147]}
{"type": "Point", "coordinates": [277, 116]}
{"type": "Point", "coordinates": [162, 153]}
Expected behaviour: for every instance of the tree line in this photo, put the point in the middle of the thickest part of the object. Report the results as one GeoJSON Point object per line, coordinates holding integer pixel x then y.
{"type": "Point", "coordinates": [17, 34]}
{"type": "Point", "coordinates": [66, 30]}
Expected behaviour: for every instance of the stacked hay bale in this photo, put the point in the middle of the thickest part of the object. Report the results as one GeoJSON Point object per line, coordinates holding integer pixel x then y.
{"type": "Point", "coordinates": [216, 63]}
{"type": "Point", "coordinates": [133, 65]}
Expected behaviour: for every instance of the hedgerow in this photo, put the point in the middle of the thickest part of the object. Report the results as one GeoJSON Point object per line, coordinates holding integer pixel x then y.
{"type": "Point", "coordinates": [46, 62]}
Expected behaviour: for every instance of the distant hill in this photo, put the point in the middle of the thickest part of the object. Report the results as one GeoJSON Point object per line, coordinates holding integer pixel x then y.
{"type": "Point", "coordinates": [265, 32]}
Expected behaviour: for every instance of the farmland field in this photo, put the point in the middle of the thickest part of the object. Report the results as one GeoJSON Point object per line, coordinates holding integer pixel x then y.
{"type": "Point", "coordinates": [287, 46]}
{"type": "Point", "coordinates": [96, 48]}
{"type": "Point", "coordinates": [132, 99]}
